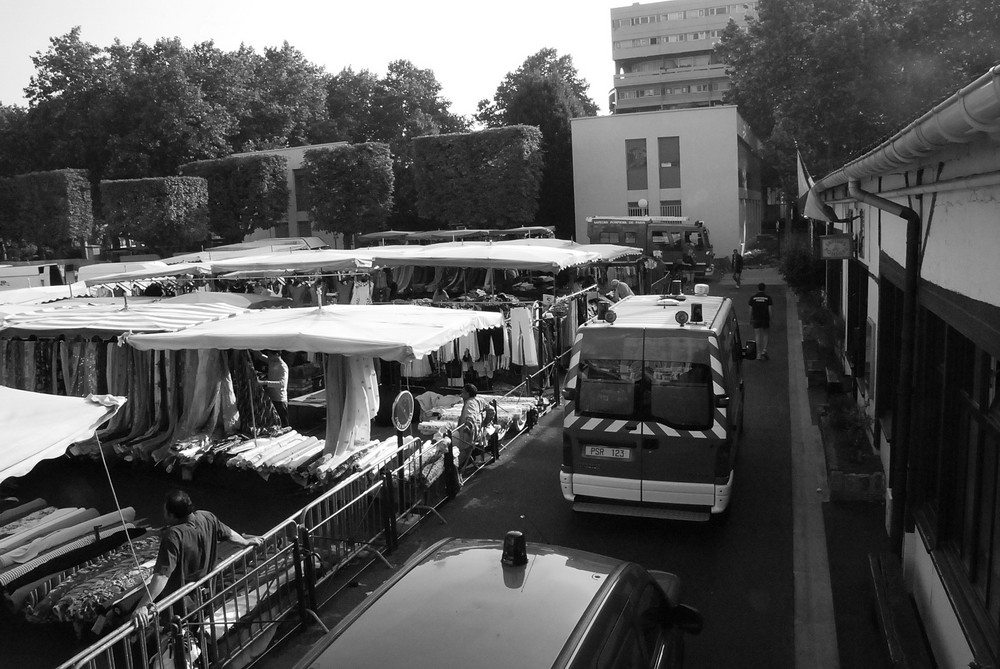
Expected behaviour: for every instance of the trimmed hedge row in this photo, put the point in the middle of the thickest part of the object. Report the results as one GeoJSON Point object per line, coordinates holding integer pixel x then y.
{"type": "Point", "coordinates": [349, 187]}
{"type": "Point", "coordinates": [52, 210]}
{"type": "Point", "coordinates": [245, 193]}
{"type": "Point", "coordinates": [489, 178]}
{"type": "Point", "coordinates": [165, 214]}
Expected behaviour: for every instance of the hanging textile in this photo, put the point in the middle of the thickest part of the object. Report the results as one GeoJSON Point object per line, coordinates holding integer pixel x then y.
{"type": "Point", "coordinates": [254, 406]}
{"type": "Point", "coordinates": [352, 401]}
{"type": "Point", "coordinates": [362, 292]}
{"type": "Point", "coordinates": [524, 349]}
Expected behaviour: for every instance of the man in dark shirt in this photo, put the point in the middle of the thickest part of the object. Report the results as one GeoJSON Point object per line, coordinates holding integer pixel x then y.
{"type": "Point", "coordinates": [760, 318]}
{"type": "Point", "coordinates": [188, 549]}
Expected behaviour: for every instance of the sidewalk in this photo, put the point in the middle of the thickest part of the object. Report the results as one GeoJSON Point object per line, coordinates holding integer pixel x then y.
{"type": "Point", "coordinates": [834, 610]}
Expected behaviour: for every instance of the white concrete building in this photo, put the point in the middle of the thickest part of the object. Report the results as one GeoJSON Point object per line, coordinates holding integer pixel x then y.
{"type": "Point", "coordinates": [920, 294]}
{"type": "Point", "coordinates": [700, 163]}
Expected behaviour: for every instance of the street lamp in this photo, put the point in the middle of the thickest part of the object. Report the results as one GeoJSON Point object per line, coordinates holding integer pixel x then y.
{"type": "Point", "coordinates": [643, 204]}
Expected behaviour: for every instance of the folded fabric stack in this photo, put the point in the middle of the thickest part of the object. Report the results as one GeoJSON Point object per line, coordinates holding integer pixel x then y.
{"type": "Point", "coordinates": [427, 462]}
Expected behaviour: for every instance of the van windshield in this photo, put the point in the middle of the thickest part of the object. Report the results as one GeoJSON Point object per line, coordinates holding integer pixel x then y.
{"type": "Point", "coordinates": [680, 380]}
{"type": "Point", "coordinates": [610, 370]}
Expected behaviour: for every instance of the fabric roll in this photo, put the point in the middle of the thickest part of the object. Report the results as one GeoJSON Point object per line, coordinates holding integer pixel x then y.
{"type": "Point", "coordinates": [57, 520]}
{"type": "Point", "coordinates": [39, 545]}
{"type": "Point", "coordinates": [20, 511]}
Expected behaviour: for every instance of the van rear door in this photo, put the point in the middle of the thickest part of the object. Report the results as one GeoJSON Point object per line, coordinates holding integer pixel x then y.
{"type": "Point", "coordinates": [606, 433]}
{"type": "Point", "coordinates": [680, 438]}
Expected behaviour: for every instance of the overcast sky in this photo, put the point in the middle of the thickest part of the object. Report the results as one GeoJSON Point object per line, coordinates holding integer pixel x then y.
{"type": "Point", "coordinates": [470, 46]}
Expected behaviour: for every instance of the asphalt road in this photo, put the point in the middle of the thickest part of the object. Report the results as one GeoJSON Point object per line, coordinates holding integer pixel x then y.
{"type": "Point", "coordinates": [739, 571]}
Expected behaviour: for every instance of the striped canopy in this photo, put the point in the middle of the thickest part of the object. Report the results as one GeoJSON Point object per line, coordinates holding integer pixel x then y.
{"type": "Point", "coordinates": [111, 320]}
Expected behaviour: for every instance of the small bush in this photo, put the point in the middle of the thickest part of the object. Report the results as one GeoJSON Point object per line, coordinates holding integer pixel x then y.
{"type": "Point", "coordinates": [803, 272]}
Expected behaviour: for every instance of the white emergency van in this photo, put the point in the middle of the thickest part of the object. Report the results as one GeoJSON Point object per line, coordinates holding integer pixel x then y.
{"type": "Point", "coordinates": [655, 409]}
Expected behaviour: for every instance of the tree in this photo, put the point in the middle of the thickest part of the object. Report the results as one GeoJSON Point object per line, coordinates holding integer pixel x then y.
{"type": "Point", "coordinates": [349, 187]}
{"type": "Point", "coordinates": [831, 78]}
{"type": "Point", "coordinates": [545, 91]}
{"type": "Point", "coordinates": [163, 214]}
{"type": "Point", "coordinates": [287, 101]}
{"type": "Point", "coordinates": [245, 193]}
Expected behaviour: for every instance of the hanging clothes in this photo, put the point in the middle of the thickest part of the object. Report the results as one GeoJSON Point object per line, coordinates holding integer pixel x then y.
{"type": "Point", "coordinates": [352, 401]}
{"type": "Point", "coordinates": [362, 293]}
{"type": "Point", "coordinates": [524, 348]}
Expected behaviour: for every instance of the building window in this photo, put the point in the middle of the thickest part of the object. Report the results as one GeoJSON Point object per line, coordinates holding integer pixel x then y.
{"type": "Point", "coordinates": [670, 208]}
{"type": "Point", "coordinates": [670, 162]}
{"type": "Point", "coordinates": [674, 16]}
{"type": "Point", "coordinates": [635, 164]}
{"type": "Point", "coordinates": [301, 182]}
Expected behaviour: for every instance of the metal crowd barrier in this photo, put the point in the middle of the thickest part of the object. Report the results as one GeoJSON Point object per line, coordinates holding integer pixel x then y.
{"type": "Point", "coordinates": [241, 605]}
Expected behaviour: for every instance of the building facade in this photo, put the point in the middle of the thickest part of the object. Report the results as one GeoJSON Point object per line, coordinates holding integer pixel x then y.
{"type": "Point", "coordinates": [297, 223]}
{"type": "Point", "coordinates": [920, 297]}
{"type": "Point", "coordinates": [663, 53]}
{"type": "Point", "coordinates": [699, 163]}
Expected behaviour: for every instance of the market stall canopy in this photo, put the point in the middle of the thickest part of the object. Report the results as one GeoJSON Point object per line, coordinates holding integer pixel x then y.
{"type": "Point", "coordinates": [254, 247]}
{"type": "Point", "coordinates": [111, 320]}
{"type": "Point", "coordinates": [528, 232]}
{"type": "Point", "coordinates": [42, 294]}
{"type": "Point", "coordinates": [496, 255]}
{"type": "Point", "coordinates": [443, 235]}
{"type": "Point", "coordinates": [158, 270]}
{"type": "Point", "coordinates": [245, 300]}
{"type": "Point", "coordinates": [607, 252]}
{"type": "Point", "coordinates": [37, 426]}
{"type": "Point", "coordinates": [325, 260]}
{"type": "Point", "coordinates": [396, 235]}
{"type": "Point", "coordinates": [389, 331]}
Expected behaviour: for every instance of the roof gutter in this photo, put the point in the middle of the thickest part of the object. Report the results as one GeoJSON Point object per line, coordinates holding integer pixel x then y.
{"type": "Point", "coordinates": [957, 120]}
{"type": "Point", "coordinates": [899, 466]}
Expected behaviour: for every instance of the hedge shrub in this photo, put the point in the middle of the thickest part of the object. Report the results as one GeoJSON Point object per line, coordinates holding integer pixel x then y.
{"type": "Point", "coordinates": [166, 215]}
{"type": "Point", "coordinates": [489, 178]}
{"type": "Point", "coordinates": [50, 210]}
{"type": "Point", "coordinates": [349, 187]}
{"type": "Point", "coordinates": [245, 193]}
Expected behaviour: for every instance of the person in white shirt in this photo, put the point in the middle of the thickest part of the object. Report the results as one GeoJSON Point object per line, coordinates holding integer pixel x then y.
{"type": "Point", "coordinates": [276, 383]}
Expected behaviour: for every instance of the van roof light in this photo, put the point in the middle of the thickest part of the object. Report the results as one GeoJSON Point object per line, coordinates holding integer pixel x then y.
{"type": "Point", "coordinates": [515, 551]}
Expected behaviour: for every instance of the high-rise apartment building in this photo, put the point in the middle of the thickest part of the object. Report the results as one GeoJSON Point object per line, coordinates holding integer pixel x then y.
{"type": "Point", "coordinates": [663, 53]}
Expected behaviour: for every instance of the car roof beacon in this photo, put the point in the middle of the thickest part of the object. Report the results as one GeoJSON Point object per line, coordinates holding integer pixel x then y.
{"type": "Point", "coordinates": [515, 552]}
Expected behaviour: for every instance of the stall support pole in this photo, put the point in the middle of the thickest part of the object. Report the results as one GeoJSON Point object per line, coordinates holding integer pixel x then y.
{"type": "Point", "coordinates": [389, 511]}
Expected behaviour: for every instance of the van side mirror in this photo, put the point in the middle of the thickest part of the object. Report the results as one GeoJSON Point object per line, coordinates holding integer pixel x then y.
{"type": "Point", "coordinates": [569, 394]}
{"type": "Point", "coordinates": [750, 350]}
{"type": "Point", "coordinates": [722, 401]}
{"type": "Point", "coordinates": [685, 618]}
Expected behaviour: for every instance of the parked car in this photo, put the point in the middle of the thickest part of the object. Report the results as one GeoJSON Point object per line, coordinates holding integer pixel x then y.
{"type": "Point", "coordinates": [477, 603]}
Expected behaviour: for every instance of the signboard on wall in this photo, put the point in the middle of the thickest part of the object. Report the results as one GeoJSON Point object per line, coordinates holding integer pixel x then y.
{"type": "Point", "coordinates": [836, 247]}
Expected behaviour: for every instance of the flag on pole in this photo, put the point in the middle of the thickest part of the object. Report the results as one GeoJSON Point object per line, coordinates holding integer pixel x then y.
{"type": "Point", "coordinates": [809, 202]}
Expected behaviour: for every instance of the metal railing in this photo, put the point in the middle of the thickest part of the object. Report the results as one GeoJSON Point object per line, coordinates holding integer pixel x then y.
{"type": "Point", "coordinates": [241, 604]}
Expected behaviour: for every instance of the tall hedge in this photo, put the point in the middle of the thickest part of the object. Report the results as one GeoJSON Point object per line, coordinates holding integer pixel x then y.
{"type": "Point", "coordinates": [488, 178]}
{"type": "Point", "coordinates": [349, 187]}
{"type": "Point", "coordinates": [245, 193]}
{"type": "Point", "coordinates": [166, 215]}
{"type": "Point", "coordinates": [51, 210]}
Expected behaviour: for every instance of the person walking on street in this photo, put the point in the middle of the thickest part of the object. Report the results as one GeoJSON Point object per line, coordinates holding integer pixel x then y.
{"type": "Point", "coordinates": [188, 550]}
{"type": "Point", "coordinates": [737, 261]}
{"type": "Point", "coordinates": [760, 318]}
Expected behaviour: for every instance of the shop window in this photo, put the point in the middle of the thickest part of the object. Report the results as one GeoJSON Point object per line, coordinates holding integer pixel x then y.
{"type": "Point", "coordinates": [301, 181]}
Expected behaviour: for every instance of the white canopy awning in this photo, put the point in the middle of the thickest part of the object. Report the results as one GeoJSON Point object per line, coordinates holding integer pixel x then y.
{"type": "Point", "coordinates": [326, 260]}
{"type": "Point", "coordinates": [42, 294]}
{"type": "Point", "coordinates": [502, 255]}
{"type": "Point", "coordinates": [37, 426]}
{"type": "Point", "coordinates": [390, 331]}
{"type": "Point", "coordinates": [156, 271]}
{"type": "Point", "coordinates": [104, 320]}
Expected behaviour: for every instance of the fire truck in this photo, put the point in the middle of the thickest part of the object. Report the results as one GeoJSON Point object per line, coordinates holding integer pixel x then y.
{"type": "Point", "coordinates": [662, 237]}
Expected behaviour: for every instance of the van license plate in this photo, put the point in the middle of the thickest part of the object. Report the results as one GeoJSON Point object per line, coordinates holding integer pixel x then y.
{"type": "Point", "coordinates": [608, 452]}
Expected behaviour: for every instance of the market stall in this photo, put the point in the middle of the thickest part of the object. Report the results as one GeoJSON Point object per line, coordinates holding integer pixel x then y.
{"type": "Point", "coordinates": [350, 336]}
